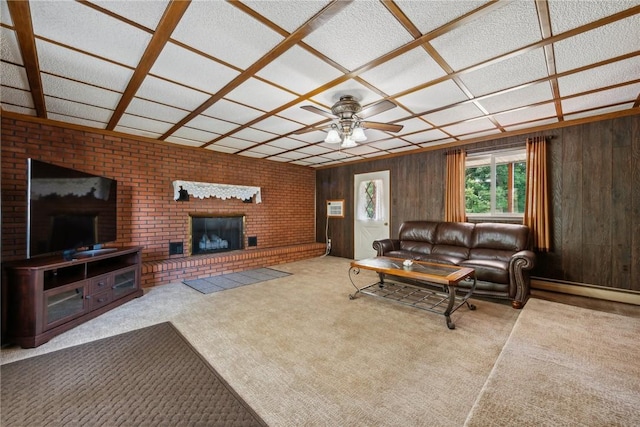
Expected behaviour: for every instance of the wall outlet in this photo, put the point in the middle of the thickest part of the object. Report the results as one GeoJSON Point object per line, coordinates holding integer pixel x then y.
{"type": "Point", "coordinates": [328, 241]}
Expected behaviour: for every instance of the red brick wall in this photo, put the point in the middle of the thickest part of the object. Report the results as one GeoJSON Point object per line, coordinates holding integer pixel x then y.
{"type": "Point", "coordinates": [148, 215]}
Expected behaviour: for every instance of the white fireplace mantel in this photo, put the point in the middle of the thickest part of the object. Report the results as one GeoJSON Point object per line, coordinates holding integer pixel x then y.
{"type": "Point", "coordinates": [222, 191]}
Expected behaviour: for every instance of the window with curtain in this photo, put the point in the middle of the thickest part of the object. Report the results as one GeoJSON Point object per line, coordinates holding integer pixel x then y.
{"type": "Point", "coordinates": [495, 184]}
{"type": "Point", "coordinates": [369, 201]}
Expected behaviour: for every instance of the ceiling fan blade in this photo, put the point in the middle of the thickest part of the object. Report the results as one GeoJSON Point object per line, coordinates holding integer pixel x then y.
{"type": "Point", "coordinates": [377, 108]}
{"type": "Point", "coordinates": [317, 110]}
{"type": "Point", "coordinates": [389, 127]}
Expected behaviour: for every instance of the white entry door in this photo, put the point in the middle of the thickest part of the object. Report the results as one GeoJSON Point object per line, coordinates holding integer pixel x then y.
{"type": "Point", "coordinates": [371, 214]}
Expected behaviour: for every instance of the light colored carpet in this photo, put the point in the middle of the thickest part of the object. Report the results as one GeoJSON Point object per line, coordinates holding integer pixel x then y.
{"type": "Point", "coordinates": [301, 353]}
{"type": "Point", "coordinates": [564, 365]}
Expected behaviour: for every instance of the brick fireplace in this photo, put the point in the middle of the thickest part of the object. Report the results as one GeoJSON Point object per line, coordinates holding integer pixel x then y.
{"type": "Point", "coordinates": [216, 233]}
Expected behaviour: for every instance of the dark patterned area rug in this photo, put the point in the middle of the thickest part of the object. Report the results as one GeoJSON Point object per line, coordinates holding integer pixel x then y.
{"type": "Point", "coordinates": [147, 377]}
{"type": "Point", "coordinates": [233, 280]}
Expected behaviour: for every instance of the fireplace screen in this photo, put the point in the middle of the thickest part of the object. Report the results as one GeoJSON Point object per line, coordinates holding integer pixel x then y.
{"type": "Point", "coordinates": [216, 234]}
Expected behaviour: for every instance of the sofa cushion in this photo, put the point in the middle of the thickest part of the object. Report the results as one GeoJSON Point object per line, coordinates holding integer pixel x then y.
{"type": "Point", "coordinates": [455, 234]}
{"type": "Point", "coordinates": [455, 253]}
{"type": "Point", "coordinates": [441, 258]}
{"type": "Point", "coordinates": [401, 254]}
{"type": "Point", "coordinates": [490, 255]}
{"type": "Point", "coordinates": [418, 231]}
{"type": "Point", "coordinates": [506, 237]}
{"type": "Point", "coordinates": [417, 247]}
{"type": "Point", "coordinates": [489, 270]}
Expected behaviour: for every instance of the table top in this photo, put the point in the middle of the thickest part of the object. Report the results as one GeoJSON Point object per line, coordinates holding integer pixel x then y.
{"type": "Point", "coordinates": [419, 270]}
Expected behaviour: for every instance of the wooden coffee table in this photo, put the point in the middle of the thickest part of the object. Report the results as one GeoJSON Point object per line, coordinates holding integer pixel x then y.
{"type": "Point", "coordinates": [433, 288]}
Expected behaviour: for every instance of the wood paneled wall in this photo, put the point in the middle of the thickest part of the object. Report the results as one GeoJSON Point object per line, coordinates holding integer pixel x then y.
{"type": "Point", "coordinates": [594, 188]}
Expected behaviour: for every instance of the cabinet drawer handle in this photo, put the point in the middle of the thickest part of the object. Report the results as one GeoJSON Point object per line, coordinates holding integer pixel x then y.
{"type": "Point", "coordinates": [101, 283]}
{"type": "Point", "coordinates": [88, 297]}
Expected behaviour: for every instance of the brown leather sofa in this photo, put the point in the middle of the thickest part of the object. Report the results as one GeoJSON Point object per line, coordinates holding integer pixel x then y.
{"type": "Point", "coordinates": [499, 253]}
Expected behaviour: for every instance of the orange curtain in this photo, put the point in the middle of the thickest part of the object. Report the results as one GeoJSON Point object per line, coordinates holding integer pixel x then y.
{"type": "Point", "coordinates": [454, 207]}
{"type": "Point", "coordinates": [536, 208]}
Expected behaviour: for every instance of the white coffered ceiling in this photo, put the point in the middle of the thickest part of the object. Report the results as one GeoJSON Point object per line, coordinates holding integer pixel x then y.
{"type": "Point", "coordinates": [232, 76]}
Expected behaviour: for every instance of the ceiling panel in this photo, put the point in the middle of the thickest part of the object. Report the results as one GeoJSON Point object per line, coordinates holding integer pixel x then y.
{"type": "Point", "coordinates": [505, 29]}
{"type": "Point", "coordinates": [77, 109]}
{"type": "Point", "coordinates": [453, 114]}
{"type": "Point", "coordinates": [89, 31]}
{"type": "Point", "coordinates": [235, 143]}
{"type": "Point", "coordinates": [5, 16]}
{"type": "Point", "coordinates": [184, 141]}
{"type": "Point", "coordinates": [192, 69]}
{"type": "Point", "coordinates": [526, 114]}
{"type": "Point", "coordinates": [17, 97]}
{"type": "Point", "coordinates": [254, 135]}
{"type": "Point", "coordinates": [606, 75]}
{"type": "Point", "coordinates": [74, 65]}
{"type": "Point", "coordinates": [404, 72]}
{"type": "Point", "coordinates": [512, 72]}
{"type": "Point", "coordinates": [437, 14]}
{"type": "Point", "coordinates": [232, 112]}
{"type": "Point", "coordinates": [14, 76]}
{"type": "Point", "coordinates": [584, 48]}
{"type": "Point", "coordinates": [223, 31]}
{"type": "Point", "coordinates": [518, 98]}
{"type": "Point", "coordinates": [206, 123]}
{"type": "Point", "coordinates": [146, 13]}
{"type": "Point", "coordinates": [288, 15]}
{"type": "Point", "coordinates": [287, 143]}
{"type": "Point", "coordinates": [426, 136]}
{"type": "Point", "coordinates": [80, 92]}
{"type": "Point", "coordinates": [277, 125]}
{"type": "Point", "coordinates": [299, 71]}
{"type": "Point", "coordinates": [194, 134]}
{"type": "Point", "coordinates": [624, 94]}
{"type": "Point", "coordinates": [604, 110]}
{"type": "Point", "coordinates": [433, 97]}
{"type": "Point", "coordinates": [144, 124]}
{"type": "Point", "coordinates": [235, 73]}
{"type": "Point", "coordinates": [77, 120]}
{"type": "Point", "coordinates": [567, 15]}
{"type": "Point", "coordinates": [9, 46]}
{"type": "Point", "coordinates": [165, 92]}
{"type": "Point", "coordinates": [270, 97]}
{"type": "Point", "coordinates": [368, 29]}
{"type": "Point", "coordinates": [153, 110]}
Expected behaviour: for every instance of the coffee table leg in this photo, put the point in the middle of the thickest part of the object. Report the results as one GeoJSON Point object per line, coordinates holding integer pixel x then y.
{"type": "Point", "coordinates": [354, 271]}
{"type": "Point", "coordinates": [447, 312]}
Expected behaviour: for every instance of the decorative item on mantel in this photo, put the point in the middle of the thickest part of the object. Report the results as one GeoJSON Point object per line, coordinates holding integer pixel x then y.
{"type": "Point", "coordinates": [222, 191]}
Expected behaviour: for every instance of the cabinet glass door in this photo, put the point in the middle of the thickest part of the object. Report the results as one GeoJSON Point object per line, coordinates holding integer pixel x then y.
{"type": "Point", "coordinates": [64, 304]}
{"type": "Point", "coordinates": [124, 283]}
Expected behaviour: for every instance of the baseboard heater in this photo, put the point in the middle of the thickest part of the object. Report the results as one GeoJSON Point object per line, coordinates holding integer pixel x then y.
{"type": "Point", "coordinates": [586, 290]}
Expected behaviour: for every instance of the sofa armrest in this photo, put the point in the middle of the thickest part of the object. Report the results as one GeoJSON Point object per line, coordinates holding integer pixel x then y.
{"type": "Point", "coordinates": [519, 266]}
{"type": "Point", "coordinates": [386, 245]}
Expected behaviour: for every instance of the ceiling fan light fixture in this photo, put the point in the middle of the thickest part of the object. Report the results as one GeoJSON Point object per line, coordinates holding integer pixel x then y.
{"type": "Point", "coordinates": [333, 137]}
{"type": "Point", "coordinates": [348, 142]}
{"type": "Point", "coordinates": [358, 135]}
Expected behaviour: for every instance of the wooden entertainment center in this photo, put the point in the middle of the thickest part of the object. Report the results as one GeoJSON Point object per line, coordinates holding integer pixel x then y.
{"type": "Point", "coordinates": [44, 297]}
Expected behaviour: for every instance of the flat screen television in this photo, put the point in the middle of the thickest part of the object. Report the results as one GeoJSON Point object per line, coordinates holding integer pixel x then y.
{"type": "Point", "coordinates": [68, 210]}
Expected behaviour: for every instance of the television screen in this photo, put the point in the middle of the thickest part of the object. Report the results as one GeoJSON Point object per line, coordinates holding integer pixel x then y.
{"type": "Point", "coordinates": [68, 209]}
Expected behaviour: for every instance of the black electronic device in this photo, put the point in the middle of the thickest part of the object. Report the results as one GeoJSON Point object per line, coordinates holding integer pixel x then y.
{"type": "Point", "coordinates": [68, 210]}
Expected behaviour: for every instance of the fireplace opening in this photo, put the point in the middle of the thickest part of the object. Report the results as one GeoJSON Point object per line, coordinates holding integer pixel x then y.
{"type": "Point", "coordinates": [211, 234]}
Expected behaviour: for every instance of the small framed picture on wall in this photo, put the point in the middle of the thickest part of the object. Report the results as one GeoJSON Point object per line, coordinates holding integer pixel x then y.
{"type": "Point", "coordinates": [335, 208]}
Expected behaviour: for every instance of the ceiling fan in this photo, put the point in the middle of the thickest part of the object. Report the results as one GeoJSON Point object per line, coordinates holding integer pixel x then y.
{"type": "Point", "coordinates": [350, 123]}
